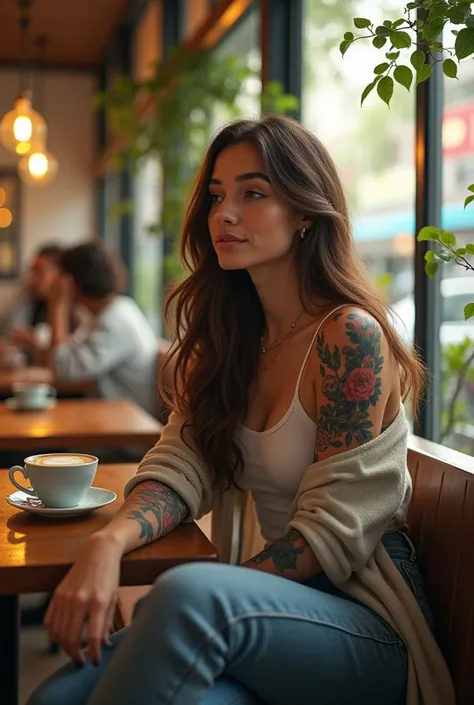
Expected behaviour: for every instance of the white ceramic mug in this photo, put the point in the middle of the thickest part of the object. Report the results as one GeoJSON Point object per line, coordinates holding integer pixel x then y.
{"type": "Point", "coordinates": [30, 395]}
{"type": "Point", "coordinates": [59, 479]}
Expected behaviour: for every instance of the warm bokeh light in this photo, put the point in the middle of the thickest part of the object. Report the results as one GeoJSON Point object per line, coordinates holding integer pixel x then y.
{"type": "Point", "coordinates": [3, 196]}
{"type": "Point", "coordinates": [22, 127]}
{"type": "Point", "coordinates": [38, 164]}
{"type": "Point", "coordinates": [6, 218]}
{"type": "Point", "coordinates": [38, 168]}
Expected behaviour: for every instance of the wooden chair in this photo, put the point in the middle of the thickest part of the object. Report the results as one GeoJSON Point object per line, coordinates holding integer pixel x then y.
{"type": "Point", "coordinates": [441, 519]}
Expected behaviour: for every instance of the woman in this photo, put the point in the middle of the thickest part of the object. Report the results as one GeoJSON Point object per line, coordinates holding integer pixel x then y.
{"type": "Point", "coordinates": [289, 384]}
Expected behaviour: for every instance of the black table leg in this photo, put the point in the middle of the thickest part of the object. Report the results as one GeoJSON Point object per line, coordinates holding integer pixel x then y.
{"type": "Point", "coordinates": [9, 648]}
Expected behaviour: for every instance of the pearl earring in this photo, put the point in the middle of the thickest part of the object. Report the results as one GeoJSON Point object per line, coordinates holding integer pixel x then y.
{"type": "Point", "coordinates": [303, 233]}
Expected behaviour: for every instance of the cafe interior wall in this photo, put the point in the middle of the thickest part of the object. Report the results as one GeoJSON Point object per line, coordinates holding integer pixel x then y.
{"type": "Point", "coordinates": [64, 210]}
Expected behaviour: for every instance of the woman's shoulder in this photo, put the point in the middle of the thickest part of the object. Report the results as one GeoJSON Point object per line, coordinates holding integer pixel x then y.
{"type": "Point", "coordinates": [351, 340]}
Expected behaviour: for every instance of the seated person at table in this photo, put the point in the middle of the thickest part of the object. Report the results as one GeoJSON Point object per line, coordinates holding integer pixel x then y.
{"type": "Point", "coordinates": [23, 319]}
{"type": "Point", "coordinates": [119, 351]}
{"type": "Point", "coordinates": [289, 383]}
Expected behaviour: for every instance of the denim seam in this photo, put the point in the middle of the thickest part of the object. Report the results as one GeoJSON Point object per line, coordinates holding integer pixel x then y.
{"type": "Point", "coordinates": [276, 615]}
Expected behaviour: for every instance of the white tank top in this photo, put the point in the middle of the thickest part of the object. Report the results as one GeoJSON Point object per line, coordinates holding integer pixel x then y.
{"type": "Point", "coordinates": [276, 459]}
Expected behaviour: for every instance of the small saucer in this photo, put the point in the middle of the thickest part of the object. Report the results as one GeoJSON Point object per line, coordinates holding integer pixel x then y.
{"type": "Point", "coordinates": [95, 498]}
{"type": "Point", "coordinates": [13, 404]}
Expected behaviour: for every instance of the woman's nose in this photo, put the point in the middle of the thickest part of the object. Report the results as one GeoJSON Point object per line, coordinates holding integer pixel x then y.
{"type": "Point", "coordinates": [226, 213]}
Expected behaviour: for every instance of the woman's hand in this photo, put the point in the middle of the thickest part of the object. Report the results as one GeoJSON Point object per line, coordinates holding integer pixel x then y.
{"type": "Point", "coordinates": [87, 597]}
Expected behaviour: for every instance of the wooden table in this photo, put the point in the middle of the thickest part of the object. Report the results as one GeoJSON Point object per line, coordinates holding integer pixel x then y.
{"type": "Point", "coordinates": [78, 423]}
{"type": "Point", "coordinates": [39, 375]}
{"type": "Point", "coordinates": [36, 553]}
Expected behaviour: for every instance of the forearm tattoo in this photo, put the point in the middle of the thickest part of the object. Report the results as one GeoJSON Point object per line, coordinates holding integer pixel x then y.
{"type": "Point", "coordinates": [283, 552]}
{"type": "Point", "coordinates": [156, 508]}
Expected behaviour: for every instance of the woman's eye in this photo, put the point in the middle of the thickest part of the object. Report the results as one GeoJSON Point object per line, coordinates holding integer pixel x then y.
{"type": "Point", "coordinates": [253, 194]}
{"type": "Point", "coordinates": [216, 198]}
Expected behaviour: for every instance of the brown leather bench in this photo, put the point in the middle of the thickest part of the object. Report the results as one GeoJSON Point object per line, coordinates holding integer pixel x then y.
{"type": "Point", "coordinates": [441, 519]}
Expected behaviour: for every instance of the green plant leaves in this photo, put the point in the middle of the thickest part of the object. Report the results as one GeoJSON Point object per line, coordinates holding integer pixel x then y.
{"type": "Point", "coordinates": [379, 42]}
{"type": "Point", "coordinates": [381, 68]}
{"type": "Point", "coordinates": [361, 22]}
{"type": "Point", "coordinates": [447, 239]}
{"type": "Point", "coordinates": [431, 268]}
{"type": "Point", "coordinates": [368, 89]}
{"type": "Point", "coordinates": [468, 311]}
{"type": "Point", "coordinates": [404, 76]}
{"type": "Point", "coordinates": [423, 73]}
{"type": "Point", "coordinates": [417, 59]}
{"type": "Point", "coordinates": [450, 68]}
{"type": "Point", "coordinates": [429, 233]}
{"type": "Point", "coordinates": [468, 200]}
{"type": "Point", "coordinates": [433, 29]}
{"type": "Point", "coordinates": [400, 40]}
{"type": "Point", "coordinates": [385, 89]}
{"type": "Point", "coordinates": [470, 249]}
{"type": "Point", "coordinates": [464, 45]}
{"type": "Point", "coordinates": [344, 46]}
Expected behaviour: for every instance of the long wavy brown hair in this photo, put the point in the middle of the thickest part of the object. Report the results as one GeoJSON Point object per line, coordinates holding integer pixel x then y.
{"type": "Point", "coordinates": [216, 314]}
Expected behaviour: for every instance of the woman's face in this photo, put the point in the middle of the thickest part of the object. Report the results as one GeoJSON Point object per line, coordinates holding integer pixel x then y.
{"type": "Point", "coordinates": [249, 223]}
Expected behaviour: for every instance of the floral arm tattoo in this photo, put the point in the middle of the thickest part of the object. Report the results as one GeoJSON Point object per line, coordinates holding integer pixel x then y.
{"type": "Point", "coordinates": [156, 508]}
{"type": "Point", "coordinates": [351, 385]}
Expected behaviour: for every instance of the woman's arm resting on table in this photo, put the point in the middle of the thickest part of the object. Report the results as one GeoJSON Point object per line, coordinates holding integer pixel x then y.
{"type": "Point", "coordinates": [151, 511]}
{"type": "Point", "coordinates": [87, 595]}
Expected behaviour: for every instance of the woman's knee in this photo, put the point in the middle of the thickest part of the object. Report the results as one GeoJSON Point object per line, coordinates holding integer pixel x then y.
{"type": "Point", "coordinates": [185, 586]}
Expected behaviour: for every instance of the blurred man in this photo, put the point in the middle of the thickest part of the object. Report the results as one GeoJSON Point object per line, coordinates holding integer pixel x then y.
{"type": "Point", "coordinates": [120, 350]}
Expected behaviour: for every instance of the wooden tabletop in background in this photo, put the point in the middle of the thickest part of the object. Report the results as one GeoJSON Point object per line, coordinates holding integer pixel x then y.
{"type": "Point", "coordinates": [41, 375]}
{"type": "Point", "coordinates": [78, 423]}
{"type": "Point", "coordinates": [36, 552]}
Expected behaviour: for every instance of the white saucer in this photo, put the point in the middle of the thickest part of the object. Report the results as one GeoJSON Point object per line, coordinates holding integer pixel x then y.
{"type": "Point", "coordinates": [13, 404]}
{"type": "Point", "coordinates": [95, 498]}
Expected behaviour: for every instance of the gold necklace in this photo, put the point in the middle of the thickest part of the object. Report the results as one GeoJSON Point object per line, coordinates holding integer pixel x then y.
{"type": "Point", "coordinates": [280, 340]}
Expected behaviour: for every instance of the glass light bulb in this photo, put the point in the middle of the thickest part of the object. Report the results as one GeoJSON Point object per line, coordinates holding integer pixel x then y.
{"type": "Point", "coordinates": [22, 128]}
{"type": "Point", "coordinates": [38, 168]}
{"type": "Point", "coordinates": [38, 164]}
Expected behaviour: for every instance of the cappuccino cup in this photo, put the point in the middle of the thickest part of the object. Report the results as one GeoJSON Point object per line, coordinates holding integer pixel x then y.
{"type": "Point", "coordinates": [59, 480]}
{"type": "Point", "coordinates": [33, 396]}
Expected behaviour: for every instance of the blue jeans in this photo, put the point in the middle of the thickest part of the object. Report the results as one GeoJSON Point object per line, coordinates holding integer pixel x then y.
{"type": "Point", "coordinates": [212, 634]}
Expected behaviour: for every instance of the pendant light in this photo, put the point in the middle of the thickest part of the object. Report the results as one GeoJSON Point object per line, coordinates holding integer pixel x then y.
{"type": "Point", "coordinates": [23, 127]}
{"type": "Point", "coordinates": [38, 167]}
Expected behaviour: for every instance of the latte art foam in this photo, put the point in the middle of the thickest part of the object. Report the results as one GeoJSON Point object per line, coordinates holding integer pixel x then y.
{"type": "Point", "coordinates": [62, 460]}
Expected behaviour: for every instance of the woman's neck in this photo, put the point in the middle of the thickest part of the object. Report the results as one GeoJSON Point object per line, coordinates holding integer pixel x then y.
{"type": "Point", "coordinates": [278, 290]}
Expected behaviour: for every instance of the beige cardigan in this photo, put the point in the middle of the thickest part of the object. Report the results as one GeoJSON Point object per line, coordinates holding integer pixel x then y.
{"type": "Point", "coordinates": [343, 507]}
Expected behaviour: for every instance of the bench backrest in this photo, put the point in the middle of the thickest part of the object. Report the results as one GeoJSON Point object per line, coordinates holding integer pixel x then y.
{"type": "Point", "coordinates": [441, 519]}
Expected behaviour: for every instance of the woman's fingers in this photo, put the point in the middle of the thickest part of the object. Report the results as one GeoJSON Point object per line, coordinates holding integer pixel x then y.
{"type": "Point", "coordinates": [72, 629]}
{"type": "Point", "coordinates": [109, 623]}
{"type": "Point", "coordinates": [98, 612]}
